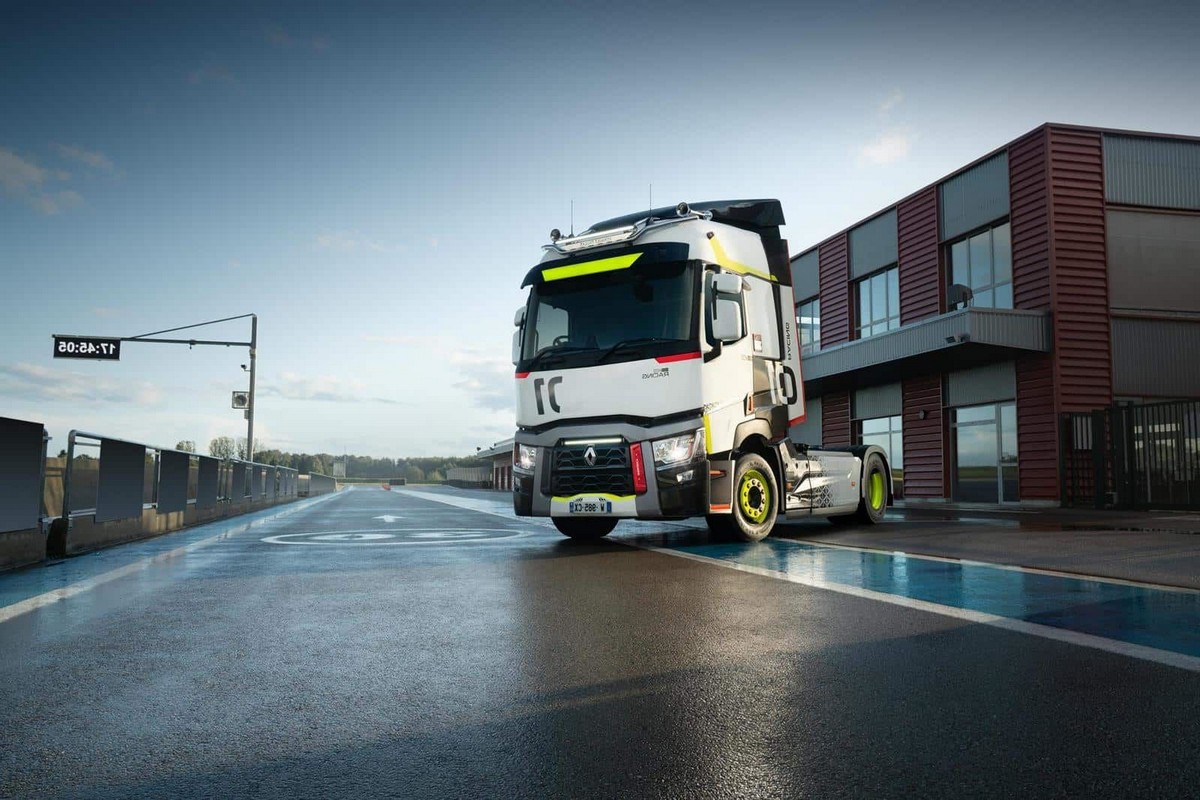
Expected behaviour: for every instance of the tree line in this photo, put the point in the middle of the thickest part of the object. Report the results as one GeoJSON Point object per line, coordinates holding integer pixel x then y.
{"type": "Point", "coordinates": [415, 470]}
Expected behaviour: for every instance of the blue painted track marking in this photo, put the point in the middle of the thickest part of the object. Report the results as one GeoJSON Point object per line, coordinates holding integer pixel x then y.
{"type": "Point", "coordinates": [1159, 618]}
{"type": "Point", "coordinates": [1159, 624]}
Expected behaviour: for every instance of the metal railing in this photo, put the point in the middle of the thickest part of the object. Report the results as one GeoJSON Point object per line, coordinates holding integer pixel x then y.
{"type": "Point", "coordinates": [133, 479]}
{"type": "Point", "coordinates": [1132, 456]}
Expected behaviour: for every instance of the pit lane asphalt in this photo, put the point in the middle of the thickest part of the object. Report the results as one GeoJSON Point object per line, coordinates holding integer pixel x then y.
{"type": "Point", "coordinates": [446, 652]}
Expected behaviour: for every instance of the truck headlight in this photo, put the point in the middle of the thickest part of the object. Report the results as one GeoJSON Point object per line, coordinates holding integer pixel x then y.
{"type": "Point", "coordinates": [678, 449]}
{"type": "Point", "coordinates": [524, 457]}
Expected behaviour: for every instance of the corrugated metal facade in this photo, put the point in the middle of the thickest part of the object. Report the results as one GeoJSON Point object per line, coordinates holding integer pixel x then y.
{"type": "Point", "coordinates": [1030, 221]}
{"type": "Point", "coordinates": [873, 245]}
{"type": "Point", "coordinates": [806, 276]}
{"type": "Point", "coordinates": [1079, 275]}
{"type": "Point", "coordinates": [878, 401]}
{"type": "Point", "coordinates": [990, 383]}
{"type": "Point", "coordinates": [976, 197]}
{"type": "Point", "coordinates": [1021, 330]}
{"type": "Point", "coordinates": [1153, 260]}
{"type": "Point", "coordinates": [835, 419]}
{"type": "Point", "coordinates": [1144, 171]}
{"type": "Point", "coordinates": [1150, 358]}
{"type": "Point", "coordinates": [922, 281]}
{"type": "Point", "coordinates": [1037, 430]}
{"type": "Point", "coordinates": [835, 292]}
{"type": "Point", "coordinates": [924, 439]}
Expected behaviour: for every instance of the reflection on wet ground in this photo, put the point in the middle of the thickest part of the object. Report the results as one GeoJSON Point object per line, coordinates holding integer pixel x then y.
{"type": "Point", "coordinates": [1165, 619]}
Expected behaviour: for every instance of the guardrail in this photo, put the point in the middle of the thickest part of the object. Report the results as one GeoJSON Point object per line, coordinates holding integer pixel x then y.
{"type": "Point", "coordinates": [315, 483]}
{"type": "Point", "coordinates": [124, 491]}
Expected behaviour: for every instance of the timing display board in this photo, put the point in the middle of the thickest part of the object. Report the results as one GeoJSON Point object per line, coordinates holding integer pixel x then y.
{"type": "Point", "coordinates": [93, 347]}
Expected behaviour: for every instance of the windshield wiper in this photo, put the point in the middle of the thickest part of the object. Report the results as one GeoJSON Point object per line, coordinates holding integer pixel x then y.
{"type": "Point", "coordinates": [553, 350]}
{"type": "Point", "coordinates": [626, 344]}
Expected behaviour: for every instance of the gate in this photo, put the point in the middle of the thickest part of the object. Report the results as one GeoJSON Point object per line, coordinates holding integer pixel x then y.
{"type": "Point", "coordinates": [1132, 456]}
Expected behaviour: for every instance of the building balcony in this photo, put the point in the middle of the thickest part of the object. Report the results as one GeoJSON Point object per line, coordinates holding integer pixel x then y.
{"type": "Point", "coordinates": [964, 338]}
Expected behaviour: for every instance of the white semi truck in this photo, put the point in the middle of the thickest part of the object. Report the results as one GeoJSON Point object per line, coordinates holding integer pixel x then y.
{"type": "Point", "coordinates": [658, 372]}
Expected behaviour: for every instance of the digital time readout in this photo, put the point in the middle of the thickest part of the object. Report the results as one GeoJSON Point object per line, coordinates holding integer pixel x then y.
{"type": "Point", "coordinates": [87, 347]}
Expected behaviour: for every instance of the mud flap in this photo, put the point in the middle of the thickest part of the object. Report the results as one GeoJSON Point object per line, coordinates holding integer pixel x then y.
{"type": "Point", "coordinates": [720, 487]}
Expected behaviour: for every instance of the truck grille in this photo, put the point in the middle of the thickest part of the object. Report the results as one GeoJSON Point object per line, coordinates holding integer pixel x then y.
{"type": "Point", "coordinates": [570, 473]}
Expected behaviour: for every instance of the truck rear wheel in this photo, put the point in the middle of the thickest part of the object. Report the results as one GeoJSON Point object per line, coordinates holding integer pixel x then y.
{"type": "Point", "coordinates": [755, 498]}
{"type": "Point", "coordinates": [874, 484]}
{"type": "Point", "coordinates": [595, 528]}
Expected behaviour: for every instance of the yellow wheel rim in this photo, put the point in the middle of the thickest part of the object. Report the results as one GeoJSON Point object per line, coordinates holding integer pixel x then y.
{"type": "Point", "coordinates": [754, 497]}
{"type": "Point", "coordinates": [875, 490]}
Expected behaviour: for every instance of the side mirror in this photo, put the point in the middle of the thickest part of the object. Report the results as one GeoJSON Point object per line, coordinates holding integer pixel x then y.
{"type": "Point", "coordinates": [728, 324]}
{"type": "Point", "coordinates": [727, 283]}
{"type": "Point", "coordinates": [519, 322]}
{"type": "Point", "coordinates": [727, 319]}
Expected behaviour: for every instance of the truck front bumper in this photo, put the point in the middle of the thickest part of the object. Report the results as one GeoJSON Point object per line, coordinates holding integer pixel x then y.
{"type": "Point", "coordinates": [673, 493]}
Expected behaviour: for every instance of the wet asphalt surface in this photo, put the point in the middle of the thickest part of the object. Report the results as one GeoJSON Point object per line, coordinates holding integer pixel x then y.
{"type": "Point", "coordinates": [383, 644]}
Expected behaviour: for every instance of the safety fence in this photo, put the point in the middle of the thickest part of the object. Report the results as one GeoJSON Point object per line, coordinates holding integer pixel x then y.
{"type": "Point", "coordinates": [106, 490]}
{"type": "Point", "coordinates": [1132, 456]}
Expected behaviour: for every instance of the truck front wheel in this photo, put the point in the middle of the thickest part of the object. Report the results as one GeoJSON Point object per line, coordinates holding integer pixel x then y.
{"type": "Point", "coordinates": [755, 498]}
{"type": "Point", "coordinates": [595, 528]}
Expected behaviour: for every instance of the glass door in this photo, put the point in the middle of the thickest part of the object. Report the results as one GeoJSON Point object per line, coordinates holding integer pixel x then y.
{"type": "Point", "coordinates": [984, 446]}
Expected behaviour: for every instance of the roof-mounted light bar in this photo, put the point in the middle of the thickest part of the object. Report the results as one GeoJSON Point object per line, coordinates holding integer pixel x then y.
{"type": "Point", "coordinates": [626, 233]}
{"type": "Point", "coordinates": [584, 241]}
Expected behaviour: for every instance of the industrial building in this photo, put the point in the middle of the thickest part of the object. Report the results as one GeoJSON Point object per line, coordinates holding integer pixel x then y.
{"type": "Point", "coordinates": [960, 326]}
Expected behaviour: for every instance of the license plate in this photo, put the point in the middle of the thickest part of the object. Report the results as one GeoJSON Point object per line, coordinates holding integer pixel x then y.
{"type": "Point", "coordinates": [594, 506]}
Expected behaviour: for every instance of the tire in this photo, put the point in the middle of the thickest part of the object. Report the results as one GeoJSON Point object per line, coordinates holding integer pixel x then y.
{"type": "Point", "coordinates": [873, 504]}
{"type": "Point", "coordinates": [721, 526]}
{"type": "Point", "coordinates": [595, 528]}
{"type": "Point", "coordinates": [755, 498]}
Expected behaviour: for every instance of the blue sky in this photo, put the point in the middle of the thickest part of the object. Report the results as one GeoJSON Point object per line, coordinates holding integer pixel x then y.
{"type": "Point", "coordinates": [374, 180]}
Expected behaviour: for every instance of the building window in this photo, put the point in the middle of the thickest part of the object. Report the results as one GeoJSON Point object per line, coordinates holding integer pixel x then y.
{"type": "Point", "coordinates": [984, 446]}
{"type": "Point", "coordinates": [808, 321]}
{"type": "Point", "coordinates": [885, 432]}
{"type": "Point", "coordinates": [878, 303]}
{"type": "Point", "coordinates": [983, 264]}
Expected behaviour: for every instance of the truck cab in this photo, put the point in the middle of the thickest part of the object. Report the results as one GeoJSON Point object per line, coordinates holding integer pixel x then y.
{"type": "Point", "coordinates": [658, 372]}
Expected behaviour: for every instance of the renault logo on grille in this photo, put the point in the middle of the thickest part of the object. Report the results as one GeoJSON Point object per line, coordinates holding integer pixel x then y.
{"type": "Point", "coordinates": [589, 456]}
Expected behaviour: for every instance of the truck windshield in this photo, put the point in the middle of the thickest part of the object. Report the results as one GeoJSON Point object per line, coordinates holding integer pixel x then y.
{"type": "Point", "coordinates": [622, 315]}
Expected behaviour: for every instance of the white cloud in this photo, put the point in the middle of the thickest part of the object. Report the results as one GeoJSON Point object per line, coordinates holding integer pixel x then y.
{"type": "Point", "coordinates": [23, 180]}
{"type": "Point", "coordinates": [487, 380]}
{"type": "Point", "coordinates": [18, 175]}
{"type": "Point", "coordinates": [325, 388]}
{"type": "Point", "coordinates": [887, 148]}
{"type": "Point", "coordinates": [893, 100]}
{"type": "Point", "coordinates": [32, 382]}
{"type": "Point", "coordinates": [90, 158]}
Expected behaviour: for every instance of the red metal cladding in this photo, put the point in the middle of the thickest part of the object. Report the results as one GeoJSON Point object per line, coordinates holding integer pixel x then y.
{"type": "Point", "coordinates": [1037, 429]}
{"type": "Point", "coordinates": [835, 417]}
{"type": "Point", "coordinates": [922, 281]}
{"type": "Point", "coordinates": [1030, 217]}
{"type": "Point", "coordinates": [924, 439]}
{"type": "Point", "coordinates": [1078, 270]}
{"type": "Point", "coordinates": [833, 266]}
